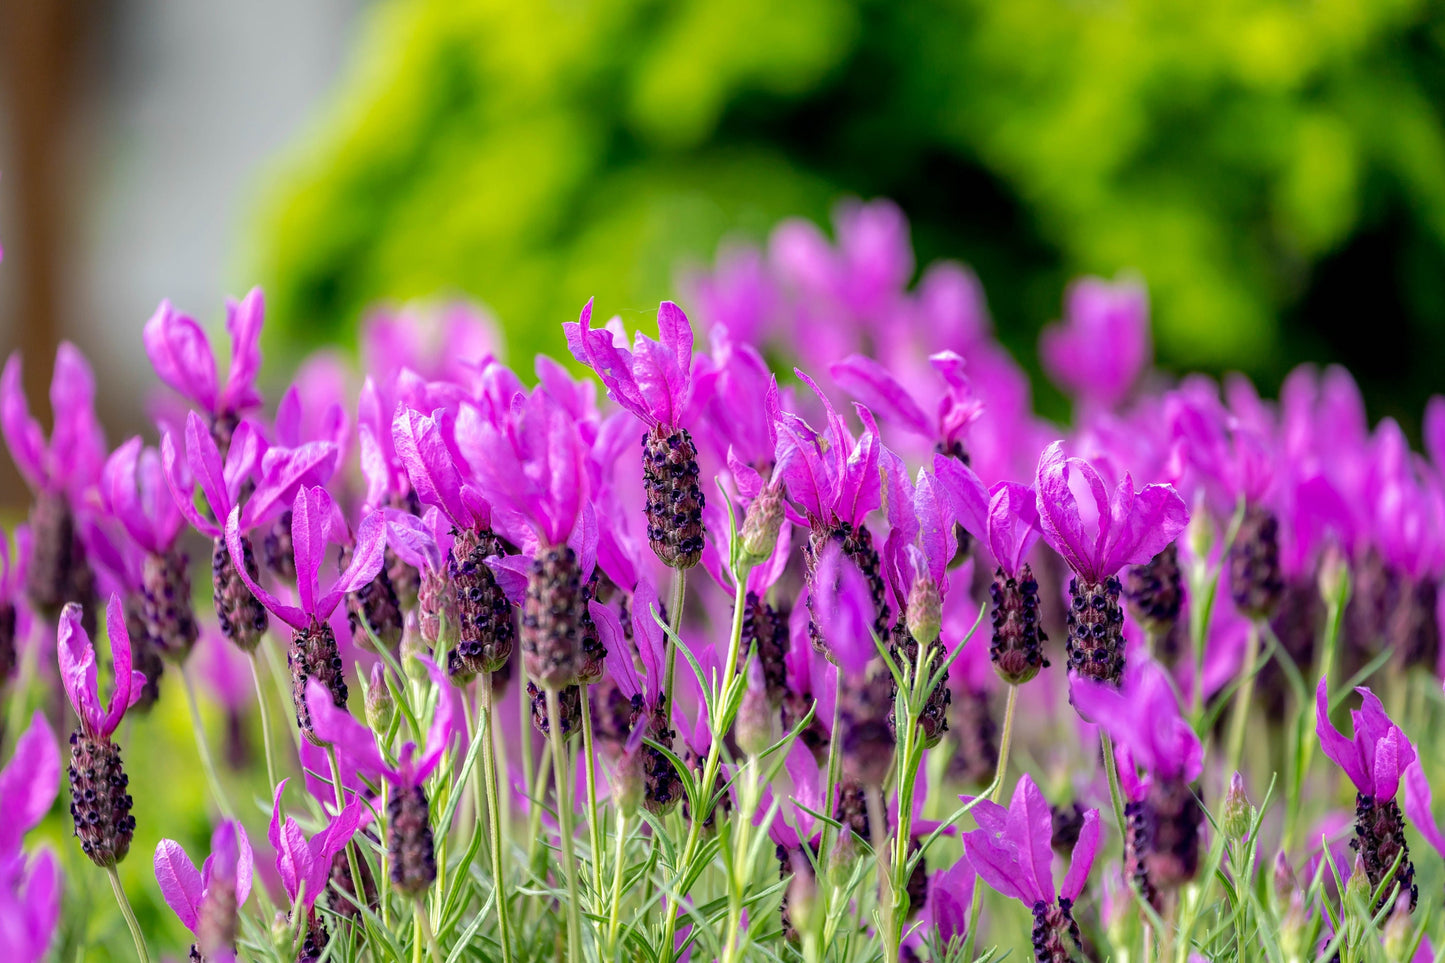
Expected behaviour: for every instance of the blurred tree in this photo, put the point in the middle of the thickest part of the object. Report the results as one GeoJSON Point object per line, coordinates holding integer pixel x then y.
{"type": "Point", "coordinates": [1275, 169]}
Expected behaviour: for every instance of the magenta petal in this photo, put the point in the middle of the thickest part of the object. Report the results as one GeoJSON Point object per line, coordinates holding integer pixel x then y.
{"type": "Point", "coordinates": [339, 728]}
{"type": "Point", "coordinates": [996, 866]}
{"type": "Point", "coordinates": [289, 614]}
{"type": "Point", "coordinates": [22, 432]}
{"type": "Point", "coordinates": [330, 841]}
{"type": "Point", "coordinates": [594, 348]}
{"type": "Point", "coordinates": [619, 657]}
{"type": "Point", "coordinates": [428, 462]}
{"type": "Point", "coordinates": [181, 354]}
{"type": "Point", "coordinates": [77, 669]}
{"type": "Point", "coordinates": [120, 658]}
{"type": "Point", "coordinates": [411, 540]}
{"type": "Point", "coordinates": [283, 472]}
{"type": "Point", "coordinates": [367, 557]}
{"type": "Point", "coordinates": [206, 467]}
{"type": "Point", "coordinates": [1155, 518]}
{"type": "Point", "coordinates": [1013, 524]}
{"type": "Point", "coordinates": [1030, 826]}
{"type": "Point", "coordinates": [874, 385]}
{"type": "Point", "coordinates": [1344, 752]}
{"type": "Point", "coordinates": [244, 322]}
{"type": "Point", "coordinates": [1059, 510]}
{"type": "Point", "coordinates": [28, 784]}
{"type": "Point", "coordinates": [77, 443]}
{"type": "Point", "coordinates": [180, 483]}
{"type": "Point", "coordinates": [967, 497]}
{"type": "Point", "coordinates": [1420, 807]}
{"type": "Point", "coordinates": [1085, 850]}
{"type": "Point", "coordinates": [310, 531]}
{"type": "Point", "coordinates": [675, 332]}
{"type": "Point", "coordinates": [179, 881]}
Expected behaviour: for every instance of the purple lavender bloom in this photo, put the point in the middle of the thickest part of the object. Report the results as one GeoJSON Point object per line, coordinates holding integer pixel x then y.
{"type": "Point", "coordinates": [445, 342]}
{"type": "Point", "coordinates": [180, 352]}
{"type": "Point", "coordinates": [304, 865]}
{"type": "Point", "coordinates": [1374, 760]}
{"type": "Point", "coordinates": [78, 671]}
{"type": "Point", "coordinates": [1162, 837]}
{"type": "Point", "coordinates": [316, 523]}
{"type": "Point", "coordinates": [1011, 852]}
{"type": "Point", "coordinates": [949, 900]}
{"type": "Point", "coordinates": [28, 786]}
{"type": "Point", "coordinates": [207, 902]}
{"type": "Point", "coordinates": [655, 381]}
{"type": "Point", "coordinates": [30, 906]}
{"type": "Point", "coordinates": [742, 432]}
{"type": "Point", "coordinates": [1127, 528]}
{"type": "Point", "coordinates": [59, 474]}
{"type": "Point", "coordinates": [739, 296]}
{"type": "Point", "coordinates": [1099, 350]}
{"type": "Point", "coordinates": [864, 277]}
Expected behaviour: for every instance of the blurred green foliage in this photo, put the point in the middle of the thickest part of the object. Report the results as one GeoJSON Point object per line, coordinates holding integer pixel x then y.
{"type": "Point", "coordinates": [1274, 168]}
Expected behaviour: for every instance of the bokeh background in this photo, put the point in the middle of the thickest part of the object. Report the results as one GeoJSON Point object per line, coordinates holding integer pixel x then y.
{"type": "Point", "coordinates": [1275, 170]}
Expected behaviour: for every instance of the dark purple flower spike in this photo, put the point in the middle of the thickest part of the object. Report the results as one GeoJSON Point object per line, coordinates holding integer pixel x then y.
{"type": "Point", "coordinates": [1374, 760]}
{"type": "Point", "coordinates": [1006, 520]}
{"type": "Point", "coordinates": [316, 524]}
{"type": "Point", "coordinates": [305, 864]}
{"type": "Point", "coordinates": [100, 804]}
{"type": "Point", "coordinates": [411, 848]}
{"type": "Point", "coordinates": [135, 492]}
{"type": "Point", "coordinates": [1164, 815]}
{"type": "Point", "coordinates": [180, 352]}
{"type": "Point", "coordinates": [1011, 852]}
{"type": "Point", "coordinates": [207, 901]}
{"type": "Point", "coordinates": [656, 383]}
{"type": "Point", "coordinates": [59, 472]}
{"type": "Point", "coordinates": [1098, 539]}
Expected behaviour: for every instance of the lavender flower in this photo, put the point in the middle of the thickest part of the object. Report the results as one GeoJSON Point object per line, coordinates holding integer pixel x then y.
{"type": "Point", "coordinates": [181, 354]}
{"type": "Point", "coordinates": [1010, 851]}
{"type": "Point", "coordinates": [1164, 816]}
{"type": "Point", "coordinates": [100, 804]}
{"type": "Point", "coordinates": [655, 382]}
{"type": "Point", "coordinates": [1099, 350]}
{"type": "Point", "coordinates": [134, 492]}
{"type": "Point", "coordinates": [1373, 760]}
{"type": "Point", "coordinates": [1006, 519]}
{"type": "Point", "coordinates": [304, 864]}
{"type": "Point", "coordinates": [208, 902]}
{"type": "Point", "coordinates": [1127, 528]}
{"type": "Point", "coordinates": [955, 408]}
{"type": "Point", "coordinates": [29, 885]}
{"type": "Point", "coordinates": [59, 473]}
{"type": "Point", "coordinates": [313, 653]}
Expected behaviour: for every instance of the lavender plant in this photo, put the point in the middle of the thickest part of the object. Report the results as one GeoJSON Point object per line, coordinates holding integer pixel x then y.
{"type": "Point", "coordinates": [516, 730]}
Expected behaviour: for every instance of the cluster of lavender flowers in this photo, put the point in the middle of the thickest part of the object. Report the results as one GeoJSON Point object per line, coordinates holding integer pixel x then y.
{"type": "Point", "coordinates": [696, 669]}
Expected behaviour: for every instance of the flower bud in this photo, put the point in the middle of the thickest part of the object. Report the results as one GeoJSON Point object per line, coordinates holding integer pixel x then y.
{"type": "Point", "coordinates": [754, 725]}
{"type": "Point", "coordinates": [925, 610]}
{"type": "Point", "coordinates": [629, 785]}
{"type": "Point", "coordinates": [802, 894]}
{"type": "Point", "coordinates": [380, 706]}
{"type": "Point", "coordinates": [411, 647]}
{"type": "Point", "coordinates": [1238, 814]}
{"type": "Point", "coordinates": [1358, 885]}
{"type": "Point", "coordinates": [1294, 929]}
{"type": "Point", "coordinates": [762, 524]}
{"type": "Point", "coordinates": [1397, 930]}
{"type": "Point", "coordinates": [1284, 881]}
{"type": "Point", "coordinates": [1200, 531]}
{"type": "Point", "coordinates": [1334, 577]}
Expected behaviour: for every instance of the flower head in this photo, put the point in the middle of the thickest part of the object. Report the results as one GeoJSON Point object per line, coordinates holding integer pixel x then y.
{"type": "Point", "coordinates": [1143, 716]}
{"type": "Point", "coordinates": [654, 380]}
{"type": "Point", "coordinates": [1101, 347]}
{"type": "Point", "coordinates": [180, 352]}
{"type": "Point", "coordinates": [304, 864]}
{"type": "Point", "coordinates": [1379, 752]}
{"type": "Point", "coordinates": [1098, 539]}
{"type": "Point", "coordinates": [435, 468]}
{"type": "Point", "coordinates": [135, 492]}
{"type": "Point", "coordinates": [954, 408]}
{"type": "Point", "coordinates": [1004, 517]}
{"type": "Point", "coordinates": [1011, 850]}
{"type": "Point", "coordinates": [316, 523]}
{"type": "Point", "coordinates": [70, 462]}
{"type": "Point", "coordinates": [78, 669]}
{"type": "Point", "coordinates": [830, 475]}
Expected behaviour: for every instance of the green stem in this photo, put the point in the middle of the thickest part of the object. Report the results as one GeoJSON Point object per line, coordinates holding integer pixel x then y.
{"type": "Point", "coordinates": [562, 779]}
{"type": "Point", "coordinates": [202, 748]}
{"type": "Point", "coordinates": [614, 915]}
{"type": "Point", "coordinates": [265, 722]}
{"type": "Point", "coordinates": [358, 887]}
{"type": "Point", "coordinates": [494, 816]}
{"type": "Point", "coordinates": [1111, 772]}
{"type": "Point", "coordinates": [129, 914]}
{"type": "Point", "coordinates": [674, 619]}
{"type": "Point", "coordinates": [423, 923]}
{"type": "Point", "coordinates": [594, 828]}
{"type": "Point", "coordinates": [830, 780]}
{"type": "Point", "coordinates": [876, 823]}
{"type": "Point", "coordinates": [1242, 699]}
{"type": "Point", "coordinates": [1005, 743]}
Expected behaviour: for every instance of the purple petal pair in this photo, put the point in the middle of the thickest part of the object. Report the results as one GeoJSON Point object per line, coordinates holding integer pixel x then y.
{"type": "Point", "coordinates": [207, 902]}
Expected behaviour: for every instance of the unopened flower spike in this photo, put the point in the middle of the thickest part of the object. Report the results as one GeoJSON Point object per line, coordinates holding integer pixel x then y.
{"type": "Point", "coordinates": [135, 492]}
{"type": "Point", "coordinates": [1010, 851]}
{"type": "Point", "coordinates": [655, 382]}
{"type": "Point", "coordinates": [313, 653]}
{"type": "Point", "coordinates": [208, 901]}
{"type": "Point", "coordinates": [1164, 815]}
{"type": "Point", "coordinates": [305, 864]}
{"type": "Point", "coordinates": [59, 472]}
{"type": "Point", "coordinates": [1123, 528]}
{"type": "Point", "coordinates": [1374, 760]}
{"type": "Point", "coordinates": [181, 354]}
{"type": "Point", "coordinates": [100, 803]}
